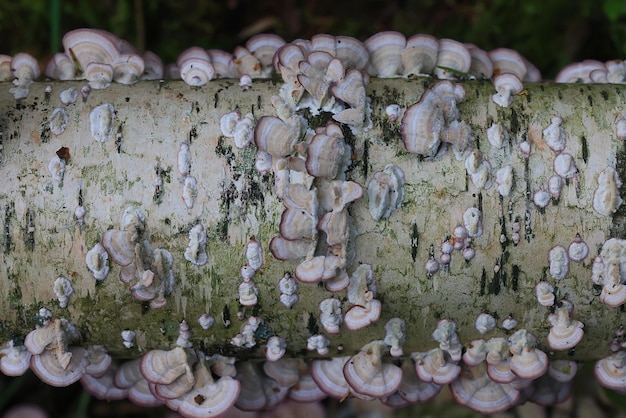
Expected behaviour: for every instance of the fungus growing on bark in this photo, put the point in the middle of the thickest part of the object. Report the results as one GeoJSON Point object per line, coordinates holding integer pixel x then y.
{"type": "Point", "coordinates": [385, 191]}
{"type": "Point", "coordinates": [606, 198]}
{"type": "Point", "coordinates": [565, 332]}
{"type": "Point", "coordinates": [369, 375]}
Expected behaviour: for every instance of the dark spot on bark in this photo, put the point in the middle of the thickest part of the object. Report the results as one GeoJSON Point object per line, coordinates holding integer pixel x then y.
{"type": "Point", "coordinates": [590, 100]}
{"type": "Point", "coordinates": [118, 139]}
{"type": "Point", "coordinates": [515, 270]}
{"type": "Point", "coordinates": [312, 325]}
{"type": "Point", "coordinates": [483, 282]}
{"type": "Point", "coordinates": [9, 211]}
{"type": "Point", "coordinates": [145, 307]}
{"type": "Point", "coordinates": [127, 99]}
{"type": "Point", "coordinates": [224, 150]}
{"type": "Point", "coordinates": [559, 94]}
{"type": "Point", "coordinates": [605, 95]}
{"type": "Point", "coordinates": [216, 100]}
{"type": "Point", "coordinates": [414, 241]}
{"type": "Point", "coordinates": [45, 131]}
{"type": "Point", "coordinates": [584, 148]}
{"type": "Point", "coordinates": [514, 122]}
{"type": "Point", "coordinates": [226, 316]}
{"type": "Point", "coordinates": [193, 134]}
{"type": "Point", "coordinates": [618, 224]}
{"type": "Point", "coordinates": [29, 230]}
{"type": "Point", "coordinates": [494, 286]}
{"type": "Point", "coordinates": [366, 155]}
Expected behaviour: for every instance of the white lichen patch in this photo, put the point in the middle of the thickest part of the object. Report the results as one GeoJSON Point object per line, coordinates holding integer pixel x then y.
{"type": "Point", "coordinates": [97, 260]}
{"type": "Point", "coordinates": [190, 191]}
{"type": "Point", "coordinates": [554, 135]}
{"type": "Point", "coordinates": [101, 122]}
{"type": "Point", "coordinates": [58, 121]}
{"type": "Point", "coordinates": [385, 191]}
{"type": "Point", "coordinates": [56, 167]}
{"type": "Point", "coordinates": [559, 262]}
{"type": "Point", "coordinates": [196, 249]}
{"type": "Point", "coordinates": [472, 219]}
{"type": "Point", "coordinates": [184, 159]}
{"type": "Point", "coordinates": [504, 180]}
{"type": "Point", "coordinates": [497, 135]}
{"type": "Point", "coordinates": [479, 169]}
{"type": "Point", "coordinates": [63, 289]}
{"type": "Point", "coordinates": [606, 198]}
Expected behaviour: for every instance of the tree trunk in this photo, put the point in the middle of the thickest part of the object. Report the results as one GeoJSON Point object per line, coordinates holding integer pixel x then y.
{"type": "Point", "coordinates": [42, 238]}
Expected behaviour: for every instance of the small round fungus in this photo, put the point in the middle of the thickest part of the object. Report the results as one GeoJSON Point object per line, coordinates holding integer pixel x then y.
{"type": "Point", "coordinates": [63, 290]}
{"type": "Point", "coordinates": [97, 260]}
{"type": "Point", "coordinates": [606, 198]}
{"type": "Point", "coordinates": [565, 332]}
{"type": "Point", "coordinates": [484, 323]}
{"type": "Point", "coordinates": [472, 219]}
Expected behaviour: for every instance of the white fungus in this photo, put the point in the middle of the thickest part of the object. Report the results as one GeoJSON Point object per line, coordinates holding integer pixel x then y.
{"type": "Point", "coordinates": [101, 122]}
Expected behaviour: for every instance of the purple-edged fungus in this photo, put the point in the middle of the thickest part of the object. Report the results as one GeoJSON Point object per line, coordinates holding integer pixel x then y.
{"type": "Point", "coordinates": [453, 58]}
{"type": "Point", "coordinates": [369, 375]}
{"type": "Point", "coordinates": [275, 348]}
{"type": "Point", "coordinates": [545, 293]}
{"type": "Point", "coordinates": [419, 56]}
{"type": "Point", "coordinates": [559, 262]}
{"type": "Point", "coordinates": [90, 46]}
{"type": "Point", "coordinates": [60, 67]}
{"type": "Point", "coordinates": [445, 334]}
{"type": "Point", "coordinates": [195, 66]}
{"type": "Point", "coordinates": [97, 260]}
{"type": "Point", "coordinates": [14, 359]}
{"type": "Point", "coordinates": [433, 120]}
{"type": "Point", "coordinates": [395, 335]}
{"type": "Point", "coordinates": [579, 72]}
{"type": "Point", "coordinates": [475, 352]}
{"type": "Point", "coordinates": [507, 85]}
{"type": "Point", "coordinates": [306, 390]}
{"type": "Point", "coordinates": [98, 361]}
{"type": "Point", "coordinates": [475, 390]}
{"type": "Point", "coordinates": [484, 323]}
{"type": "Point", "coordinates": [248, 293]}
{"type": "Point", "coordinates": [59, 371]}
{"type": "Point", "coordinates": [196, 249]}
{"type": "Point", "coordinates": [609, 270]}
{"type": "Point", "coordinates": [127, 68]}
{"type": "Point", "coordinates": [319, 343]}
{"type": "Point", "coordinates": [25, 69]}
{"type": "Point", "coordinates": [565, 332]}
{"type": "Point", "coordinates": [506, 60]}
{"type": "Point", "coordinates": [154, 69]}
{"type": "Point", "coordinates": [328, 155]}
{"type": "Point", "coordinates": [527, 361]}
{"type": "Point", "coordinates": [328, 374]}
{"type": "Point", "coordinates": [257, 391]}
{"type": "Point", "coordinates": [606, 198]}
{"type": "Point", "coordinates": [162, 367]}
{"type": "Point", "coordinates": [285, 371]}
{"type": "Point", "coordinates": [554, 135]}
{"type": "Point", "coordinates": [103, 387]}
{"type": "Point", "coordinates": [5, 68]}
{"type": "Point", "coordinates": [562, 370]}
{"type": "Point", "coordinates": [98, 75]}
{"type": "Point", "coordinates": [412, 389]}
{"type": "Point", "coordinates": [208, 397]}
{"type": "Point", "coordinates": [184, 335]}
{"type": "Point", "coordinates": [578, 250]}
{"type": "Point", "coordinates": [264, 47]}
{"type": "Point", "coordinates": [385, 51]}
{"type": "Point", "coordinates": [68, 96]}
{"type": "Point", "coordinates": [63, 289]}
{"type": "Point", "coordinates": [58, 121]}
{"type": "Point", "coordinates": [364, 309]}
{"type": "Point", "coordinates": [610, 371]}
{"type": "Point", "coordinates": [330, 316]}
{"type": "Point", "coordinates": [277, 137]}
{"type": "Point", "coordinates": [481, 66]}
{"type": "Point", "coordinates": [385, 191]}
{"type": "Point", "coordinates": [435, 366]}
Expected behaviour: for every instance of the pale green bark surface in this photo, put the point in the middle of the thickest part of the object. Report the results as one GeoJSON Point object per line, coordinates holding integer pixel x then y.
{"type": "Point", "coordinates": [41, 240]}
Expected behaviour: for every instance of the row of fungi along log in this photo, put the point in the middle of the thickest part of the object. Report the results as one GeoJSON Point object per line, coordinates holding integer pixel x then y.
{"type": "Point", "coordinates": [141, 146]}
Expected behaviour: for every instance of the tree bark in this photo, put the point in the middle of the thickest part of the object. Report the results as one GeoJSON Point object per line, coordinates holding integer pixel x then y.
{"type": "Point", "coordinates": [42, 240]}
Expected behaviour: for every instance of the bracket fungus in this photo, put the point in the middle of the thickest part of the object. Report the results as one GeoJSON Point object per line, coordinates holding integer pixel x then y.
{"type": "Point", "coordinates": [322, 133]}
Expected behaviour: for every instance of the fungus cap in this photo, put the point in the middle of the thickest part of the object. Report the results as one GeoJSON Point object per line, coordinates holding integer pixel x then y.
{"type": "Point", "coordinates": [367, 374]}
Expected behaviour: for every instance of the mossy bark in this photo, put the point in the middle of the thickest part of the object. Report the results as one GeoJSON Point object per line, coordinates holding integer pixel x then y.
{"type": "Point", "coordinates": [41, 239]}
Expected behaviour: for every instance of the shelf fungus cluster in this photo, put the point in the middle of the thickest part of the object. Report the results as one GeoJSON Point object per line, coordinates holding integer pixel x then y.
{"type": "Point", "coordinates": [342, 265]}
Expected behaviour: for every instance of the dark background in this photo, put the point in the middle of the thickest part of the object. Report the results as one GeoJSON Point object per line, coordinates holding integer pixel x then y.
{"type": "Point", "coordinates": [550, 33]}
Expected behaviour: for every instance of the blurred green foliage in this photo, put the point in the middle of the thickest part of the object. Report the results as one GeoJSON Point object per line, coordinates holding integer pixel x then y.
{"type": "Point", "coordinates": [549, 33]}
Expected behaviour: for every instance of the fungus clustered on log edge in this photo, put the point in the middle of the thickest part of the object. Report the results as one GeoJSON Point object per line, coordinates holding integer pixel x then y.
{"type": "Point", "coordinates": [308, 151]}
